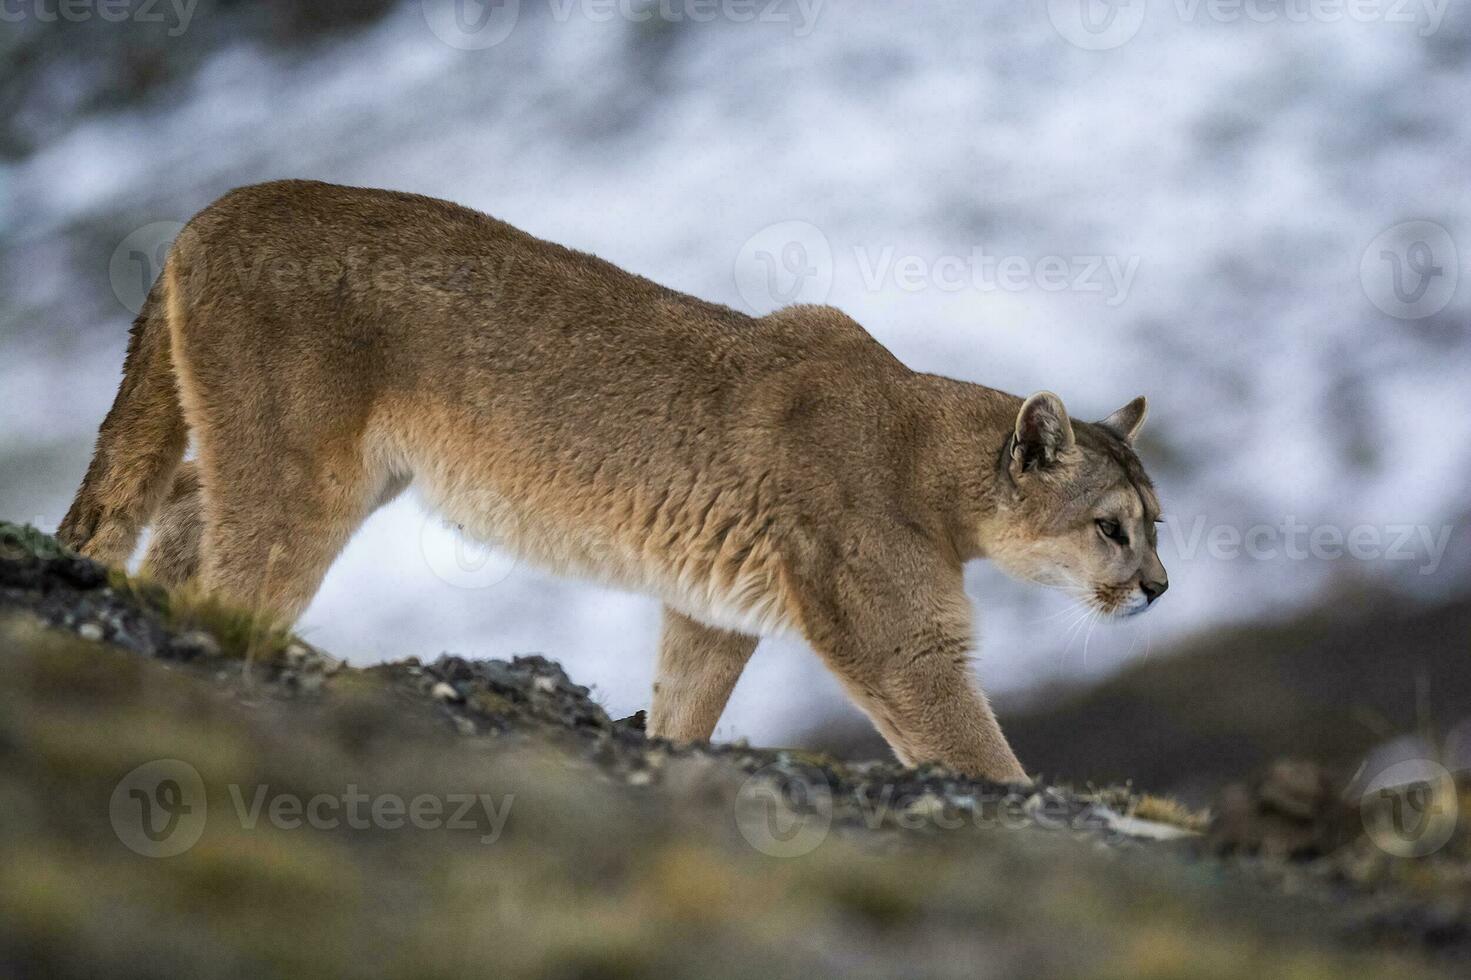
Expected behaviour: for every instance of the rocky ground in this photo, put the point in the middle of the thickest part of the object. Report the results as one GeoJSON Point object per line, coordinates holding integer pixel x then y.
{"type": "Point", "coordinates": [188, 791]}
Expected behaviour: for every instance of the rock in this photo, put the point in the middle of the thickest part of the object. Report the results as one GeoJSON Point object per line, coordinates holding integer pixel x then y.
{"type": "Point", "coordinates": [636, 722]}
{"type": "Point", "coordinates": [1292, 811]}
{"type": "Point", "coordinates": [194, 644]}
{"type": "Point", "coordinates": [1295, 789]}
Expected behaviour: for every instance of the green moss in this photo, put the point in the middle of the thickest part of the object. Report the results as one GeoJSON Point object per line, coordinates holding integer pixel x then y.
{"type": "Point", "coordinates": [807, 757]}
{"type": "Point", "coordinates": [241, 633]}
{"type": "Point", "coordinates": [490, 703]}
{"type": "Point", "coordinates": [251, 636]}
{"type": "Point", "coordinates": [24, 540]}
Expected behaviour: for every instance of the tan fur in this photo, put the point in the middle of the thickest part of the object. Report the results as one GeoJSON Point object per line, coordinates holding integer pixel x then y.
{"type": "Point", "coordinates": [328, 346]}
{"type": "Point", "coordinates": [173, 553]}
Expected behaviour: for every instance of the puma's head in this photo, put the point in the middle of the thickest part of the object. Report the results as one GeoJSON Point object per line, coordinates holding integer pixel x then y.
{"type": "Point", "coordinates": [1077, 510]}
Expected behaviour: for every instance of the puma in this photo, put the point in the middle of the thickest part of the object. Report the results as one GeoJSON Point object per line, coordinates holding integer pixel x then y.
{"type": "Point", "coordinates": [323, 348]}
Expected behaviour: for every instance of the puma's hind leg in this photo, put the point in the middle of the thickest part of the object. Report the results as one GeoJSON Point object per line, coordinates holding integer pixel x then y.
{"type": "Point", "coordinates": [173, 555]}
{"type": "Point", "coordinates": [270, 536]}
{"type": "Point", "coordinates": [698, 668]}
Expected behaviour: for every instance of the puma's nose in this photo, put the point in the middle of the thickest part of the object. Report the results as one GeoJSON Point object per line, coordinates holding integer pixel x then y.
{"type": "Point", "coordinates": [1153, 590]}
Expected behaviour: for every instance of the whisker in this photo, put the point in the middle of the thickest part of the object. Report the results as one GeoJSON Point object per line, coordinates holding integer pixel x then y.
{"type": "Point", "coordinates": [1078, 624]}
{"type": "Point", "coordinates": [1089, 636]}
{"type": "Point", "coordinates": [1056, 614]}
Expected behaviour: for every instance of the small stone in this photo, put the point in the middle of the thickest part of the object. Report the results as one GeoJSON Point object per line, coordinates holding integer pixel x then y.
{"type": "Point", "coordinates": [927, 807]}
{"type": "Point", "coordinates": [81, 572]}
{"type": "Point", "coordinates": [194, 644]}
{"type": "Point", "coordinates": [465, 726]}
{"type": "Point", "coordinates": [445, 692]}
{"type": "Point", "coordinates": [454, 668]}
{"type": "Point", "coordinates": [1295, 788]}
{"type": "Point", "coordinates": [636, 722]}
{"type": "Point", "coordinates": [90, 631]}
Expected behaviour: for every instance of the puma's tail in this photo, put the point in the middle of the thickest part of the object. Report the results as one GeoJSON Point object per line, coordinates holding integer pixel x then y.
{"type": "Point", "coordinates": [138, 448]}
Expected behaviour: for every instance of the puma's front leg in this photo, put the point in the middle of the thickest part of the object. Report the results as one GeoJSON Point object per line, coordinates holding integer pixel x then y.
{"type": "Point", "coordinates": [925, 702]}
{"type": "Point", "coordinates": [895, 627]}
{"type": "Point", "coordinates": [698, 668]}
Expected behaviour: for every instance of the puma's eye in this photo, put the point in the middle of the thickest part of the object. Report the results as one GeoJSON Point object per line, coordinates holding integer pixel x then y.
{"type": "Point", "coordinates": [1110, 529]}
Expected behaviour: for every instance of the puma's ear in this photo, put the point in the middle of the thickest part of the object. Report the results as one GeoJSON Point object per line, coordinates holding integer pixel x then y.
{"type": "Point", "coordinates": [1043, 431]}
{"type": "Point", "coordinates": [1127, 421]}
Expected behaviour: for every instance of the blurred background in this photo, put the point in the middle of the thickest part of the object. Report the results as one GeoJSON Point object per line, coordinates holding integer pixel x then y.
{"type": "Point", "coordinates": [1256, 215]}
